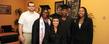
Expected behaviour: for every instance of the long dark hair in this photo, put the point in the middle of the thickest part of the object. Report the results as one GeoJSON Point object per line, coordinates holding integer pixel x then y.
{"type": "Point", "coordinates": [52, 27]}
{"type": "Point", "coordinates": [85, 14]}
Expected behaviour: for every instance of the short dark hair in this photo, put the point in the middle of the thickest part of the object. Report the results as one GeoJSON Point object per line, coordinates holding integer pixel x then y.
{"type": "Point", "coordinates": [30, 2]}
{"type": "Point", "coordinates": [64, 6]}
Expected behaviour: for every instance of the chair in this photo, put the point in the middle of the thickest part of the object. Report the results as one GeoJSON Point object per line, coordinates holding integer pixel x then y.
{"type": "Point", "coordinates": [6, 28]}
{"type": "Point", "coordinates": [8, 36]}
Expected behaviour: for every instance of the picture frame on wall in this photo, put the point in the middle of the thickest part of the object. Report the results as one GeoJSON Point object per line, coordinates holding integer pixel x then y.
{"type": "Point", "coordinates": [74, 4]}
{"type": "Point", "coordinates": [57, 5]}
{"type": "Point", "coordinates": [5, 9]}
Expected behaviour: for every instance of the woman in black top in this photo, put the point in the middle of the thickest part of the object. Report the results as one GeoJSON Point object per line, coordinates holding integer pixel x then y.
{"type": "Point", "coordinates": [40, 28]}
{"type": "Point", "coordinates": [84, 28]}
{"type": "Point", "coordinates": [54, 36]}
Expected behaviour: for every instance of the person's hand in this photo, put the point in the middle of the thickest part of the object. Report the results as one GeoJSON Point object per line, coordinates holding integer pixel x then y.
{"type": "Point", "coordinates": [22, 39]}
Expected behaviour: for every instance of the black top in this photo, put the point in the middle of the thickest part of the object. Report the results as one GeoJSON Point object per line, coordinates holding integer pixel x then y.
{"type": "Point", "coordinates": [54, 38]}
{"type": "Point", "coordinates": [66, 27]}
{"type": "Point", "coordinates": [35, 31]}
{"type": "Point", "coordinates": [85, 33]}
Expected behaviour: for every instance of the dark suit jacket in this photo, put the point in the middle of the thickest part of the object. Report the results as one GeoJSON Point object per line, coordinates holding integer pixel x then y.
{"type": "Point", "coordinates": [66, 27]}
{"type": "Point", "coordinates": [85, 33]}
{"type": "Point", "coordinates": [35, 32]}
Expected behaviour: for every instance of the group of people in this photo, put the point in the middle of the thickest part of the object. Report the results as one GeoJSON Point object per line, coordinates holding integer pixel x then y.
{"type": "Point", "coordinates": [58, 28]}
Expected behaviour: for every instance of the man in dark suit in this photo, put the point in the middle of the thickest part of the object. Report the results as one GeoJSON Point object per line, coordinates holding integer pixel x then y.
{"type": "Point", "coordinates": [66, 23]}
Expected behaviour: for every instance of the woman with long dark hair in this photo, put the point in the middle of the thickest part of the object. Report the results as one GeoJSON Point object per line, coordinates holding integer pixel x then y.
{"type": "Point", "coordinates": [84, 28]}
{"type": "Point", "coordinates": [41, 27]}
{"type": "Point", "coordinates": [54, 36]}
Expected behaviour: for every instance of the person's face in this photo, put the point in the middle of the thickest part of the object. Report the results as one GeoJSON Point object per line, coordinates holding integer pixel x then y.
{"type": "Point", "coordinates": [81, 12]}
{"type": "Point", "coordinates": [55, 22]}
{"type": "Point", "coordinates": [69, 10]}
{"type": "Point", "coordinates": [64, 12]}
{"type": "Point", "coordinates": [45, 14]}
{"type": "Point", "coordinates": [59, 10]}
{"type": "Point", "coordinates": [31, 7]}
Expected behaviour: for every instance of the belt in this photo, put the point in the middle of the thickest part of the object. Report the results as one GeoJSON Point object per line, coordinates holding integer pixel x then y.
{"type": "Point", "coordinates": [27, 32]}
